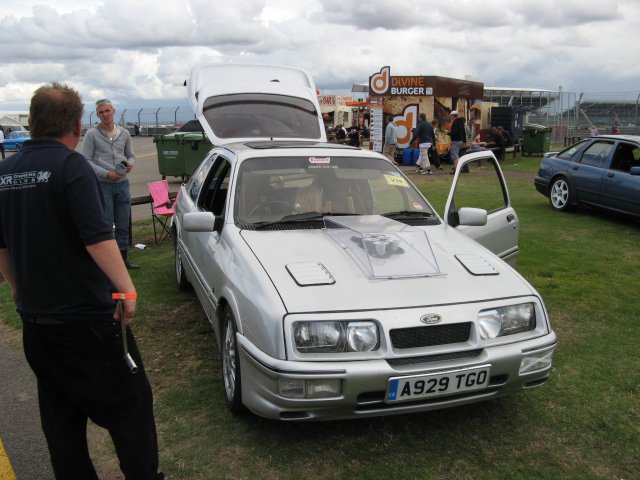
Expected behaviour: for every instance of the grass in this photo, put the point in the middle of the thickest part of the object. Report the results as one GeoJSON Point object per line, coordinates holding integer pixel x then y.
{"type": "Point", "coordinates": [583, 424]}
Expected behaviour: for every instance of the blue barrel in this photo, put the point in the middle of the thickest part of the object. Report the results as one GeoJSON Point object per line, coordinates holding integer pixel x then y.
{"type": "Point", "coordinates": [410, 156]}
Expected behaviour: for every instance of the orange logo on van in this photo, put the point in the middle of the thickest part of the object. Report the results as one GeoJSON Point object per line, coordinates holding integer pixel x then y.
{"type": "Point", "coordinates": [379, 82]}
{"type": "Point", "coordinates": [405, 123]}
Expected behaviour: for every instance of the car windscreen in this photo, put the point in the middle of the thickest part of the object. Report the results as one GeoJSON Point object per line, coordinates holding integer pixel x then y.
{"type": "Point", "coordinates": [261, 116]}
{"type": "Point", "coordinates": [191, 126]}
{"type": "Point", "coordinates": [269, 189]}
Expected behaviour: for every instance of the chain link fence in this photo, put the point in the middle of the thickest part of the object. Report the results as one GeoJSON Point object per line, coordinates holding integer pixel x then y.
{"type": "Point", "coordinates": [153, 120]}
{"type": "Point", "coordinates": [571, 115]}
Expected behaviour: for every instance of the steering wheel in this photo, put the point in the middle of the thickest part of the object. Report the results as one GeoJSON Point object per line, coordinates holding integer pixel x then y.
{"type": "Point", "coordinates": [270, 203]}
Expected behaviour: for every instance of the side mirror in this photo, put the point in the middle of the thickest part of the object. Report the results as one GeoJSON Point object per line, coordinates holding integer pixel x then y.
{"type": "Point", "coordinates": [473, 217]}
{"type": "Point", "coordinates": [199, 222]}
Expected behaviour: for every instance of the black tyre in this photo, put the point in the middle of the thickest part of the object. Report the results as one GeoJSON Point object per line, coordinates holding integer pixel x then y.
{"type": "Point", "coordinates": [560, 195]}
{"type": "Point", "coordinates": [181, 278]}
{"type": "Point", "coordinates": [231, 363]}
{"type": "Point", "coordinates": [18, 147]}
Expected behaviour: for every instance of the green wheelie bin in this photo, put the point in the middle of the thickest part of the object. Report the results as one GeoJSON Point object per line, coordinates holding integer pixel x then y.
{"type": "Point", "coordinates": [170, 150]}
{"type": "Point", "coordinates": [195, 148]}
{"type": "Point", "coordinates": [535, 139]}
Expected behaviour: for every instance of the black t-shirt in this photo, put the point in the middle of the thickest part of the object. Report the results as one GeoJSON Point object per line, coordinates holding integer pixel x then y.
{"type": "Point", "coordinates": [457, 131]}
{"type": "Point", "coordinates": [50, 209]}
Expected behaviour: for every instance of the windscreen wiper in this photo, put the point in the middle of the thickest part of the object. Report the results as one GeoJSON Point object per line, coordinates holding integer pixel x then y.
{"type": "Point", "coordinates": [298, 218]}
{"type": "Point", "coordinates": [405, 214]}
{"type": "Point", "coordinates": [292, 218]}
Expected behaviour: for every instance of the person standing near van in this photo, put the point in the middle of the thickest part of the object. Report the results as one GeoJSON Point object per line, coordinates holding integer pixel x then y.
{"type": "Point", "coordinates": [425, 136]}
{"type": "Point", "coordinates": [391, 140]}
{"type": "Point", "coordinates": [458, 138]}
{"type": "Point", "coordinates": [108, 148]}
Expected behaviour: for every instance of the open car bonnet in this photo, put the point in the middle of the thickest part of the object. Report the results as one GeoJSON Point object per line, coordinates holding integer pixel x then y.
{"type": "Point", "coordinates": [236, 103]}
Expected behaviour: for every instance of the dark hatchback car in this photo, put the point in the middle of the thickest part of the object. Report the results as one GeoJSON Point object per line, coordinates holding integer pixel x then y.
{"type": "Point", "coordinates": [602, 171]}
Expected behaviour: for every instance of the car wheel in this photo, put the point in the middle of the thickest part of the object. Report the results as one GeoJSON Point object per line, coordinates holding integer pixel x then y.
{"type": "Point", "coordinates": [560, 195]}
{"type": "Point", "coordinates": [18, 147]}
{"type": "Point", "coordinates": [181, 278]}
{"type": "Point", "coordinates": [231, 363]}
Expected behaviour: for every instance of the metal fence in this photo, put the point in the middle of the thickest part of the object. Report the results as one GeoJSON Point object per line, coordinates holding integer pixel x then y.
{"type": "Point", "coordinates": [570, 115]}
{"type": "Point", "coordinates": [153, 120]}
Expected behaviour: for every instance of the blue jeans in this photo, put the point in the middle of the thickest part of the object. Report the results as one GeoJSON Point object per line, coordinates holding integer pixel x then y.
{"type": "Point", "coordinates": [454, 153]}
{"type": "Point", "coordinates": [117, 207]}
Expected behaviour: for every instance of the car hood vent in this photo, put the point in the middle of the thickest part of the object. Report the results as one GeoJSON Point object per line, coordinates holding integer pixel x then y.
{"type": "Point", "coordinates": [308, 274]}
{"type": "Point", "coordinates": [476, 265]}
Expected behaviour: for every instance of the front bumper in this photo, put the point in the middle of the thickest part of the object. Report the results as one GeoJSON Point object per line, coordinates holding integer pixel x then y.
{"type": "Point", "coordinates": [364, 383]}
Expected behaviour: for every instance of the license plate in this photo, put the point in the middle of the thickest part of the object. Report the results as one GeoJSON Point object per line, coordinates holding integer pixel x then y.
{"type": "Point", "coordinates": [402, 389]}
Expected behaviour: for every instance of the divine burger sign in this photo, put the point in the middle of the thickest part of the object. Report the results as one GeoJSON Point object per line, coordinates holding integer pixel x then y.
{"type": "Point", "coordinates": [383, 84]}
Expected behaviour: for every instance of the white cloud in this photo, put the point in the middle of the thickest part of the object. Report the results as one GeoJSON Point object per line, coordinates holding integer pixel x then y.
{"type": "Point", "coordinates": [144, 50]}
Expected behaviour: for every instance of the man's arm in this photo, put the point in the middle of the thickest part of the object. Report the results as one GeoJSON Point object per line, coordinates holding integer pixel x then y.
{"type": "Point", "coordinates": [108, 258]}
{"type": "Point", "coordinates": [88, 150]}
{"type": "Point", "coordinates": [7, 272]}
{"type": "Point", "coordinates": [129, 154]}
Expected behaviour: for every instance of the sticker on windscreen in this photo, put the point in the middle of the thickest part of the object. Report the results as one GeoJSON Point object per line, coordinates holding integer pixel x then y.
{"type": "Point", "coordinates": [319, 160]}
{"type": "Point", "coordinates": [416, 205]}
{"type": "Point", "coordinates": [396, 181]}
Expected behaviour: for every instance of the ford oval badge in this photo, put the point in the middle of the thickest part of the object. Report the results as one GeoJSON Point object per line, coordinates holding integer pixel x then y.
{"type": "Point", "coordinates": [430, 318]}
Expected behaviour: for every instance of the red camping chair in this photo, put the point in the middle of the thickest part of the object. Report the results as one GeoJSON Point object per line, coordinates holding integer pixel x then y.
{"type": "Point", "coordinates": [161, 209]}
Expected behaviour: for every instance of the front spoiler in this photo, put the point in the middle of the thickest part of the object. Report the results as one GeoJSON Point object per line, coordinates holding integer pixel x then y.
{"type": "Point", "coordinates": [364, 382]}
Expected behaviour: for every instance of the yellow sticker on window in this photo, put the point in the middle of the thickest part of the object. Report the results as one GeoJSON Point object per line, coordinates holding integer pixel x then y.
{"type": "Point", "coordinates": [396, 181]}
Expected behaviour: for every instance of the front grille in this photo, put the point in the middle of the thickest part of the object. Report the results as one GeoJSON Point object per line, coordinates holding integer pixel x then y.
{"type": "Point", "coordinates": [428, 336]}
{"type": "Point", "coordinates": [441, 357]}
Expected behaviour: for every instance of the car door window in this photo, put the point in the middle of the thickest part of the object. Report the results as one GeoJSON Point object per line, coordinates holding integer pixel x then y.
{"type": "Point", "coordinates": [627, 155]}
{"type": "Point", "coordinates": [479, 184]}
{"type": "Point", "coordinates": [570, 152]}
{"type": "Point", "coordinates": [198, 178]}
{"type": "Point", "coordinates": [597, 154]}
{"type": "Point", "coordinates": [213, 196]}
{"type": "Point", "coordinates": [481, 187]}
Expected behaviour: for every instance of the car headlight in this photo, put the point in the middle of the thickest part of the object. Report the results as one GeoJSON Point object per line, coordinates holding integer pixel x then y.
{"type": "Point", "coordinates": [498, 322]}
{"type": "Point", "coordinates": [336, 337]}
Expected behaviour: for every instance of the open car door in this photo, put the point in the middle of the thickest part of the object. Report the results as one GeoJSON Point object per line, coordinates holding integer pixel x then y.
{"type": "Point", "coordinates": [479, 205]}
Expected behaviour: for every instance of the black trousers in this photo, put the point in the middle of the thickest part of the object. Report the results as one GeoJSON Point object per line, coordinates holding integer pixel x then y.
{"type": "Point", "coordinates": [434, 159]}
{"type": "Point", "coordinates": [81, 374]}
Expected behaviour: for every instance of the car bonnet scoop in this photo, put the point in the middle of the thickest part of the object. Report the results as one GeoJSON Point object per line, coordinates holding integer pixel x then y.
{"type": "Point", "coordinates": [476, 265]}
{"type": "Point", "coordinates": [308, 274]}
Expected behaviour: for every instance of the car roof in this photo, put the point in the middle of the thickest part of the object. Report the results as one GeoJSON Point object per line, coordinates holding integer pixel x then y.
{"type": "Point", "coordinates": [633, 138]}
{"type": "Point", "coordinates": [247, 150]}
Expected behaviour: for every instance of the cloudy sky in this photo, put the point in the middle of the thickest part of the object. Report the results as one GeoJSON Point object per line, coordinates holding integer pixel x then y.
{"type": "Point", "coordinates": [135, 50]}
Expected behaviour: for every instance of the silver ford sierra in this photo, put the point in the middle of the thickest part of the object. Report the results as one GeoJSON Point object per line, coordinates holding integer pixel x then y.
{"type": "Point", "coordinates": [333, 287]}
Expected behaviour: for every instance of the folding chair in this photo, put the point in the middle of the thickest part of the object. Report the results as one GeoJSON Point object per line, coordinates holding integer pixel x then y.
{"type": "Point", "coordinates": [161, 209]}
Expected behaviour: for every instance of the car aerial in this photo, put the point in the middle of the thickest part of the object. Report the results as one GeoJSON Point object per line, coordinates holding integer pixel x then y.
{"type": "Point", "coordinates": [601, 171]}
{"type": "Point", "coordinates": [15, 139]}
{"type": "Point", "coordinates": [333, 287]}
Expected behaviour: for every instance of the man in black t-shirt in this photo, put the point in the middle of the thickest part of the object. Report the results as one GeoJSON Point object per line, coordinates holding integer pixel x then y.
{"type": "Point", "coordinates": [499, 143]}
{"type": "Point", "coordinates": [58, 254]}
